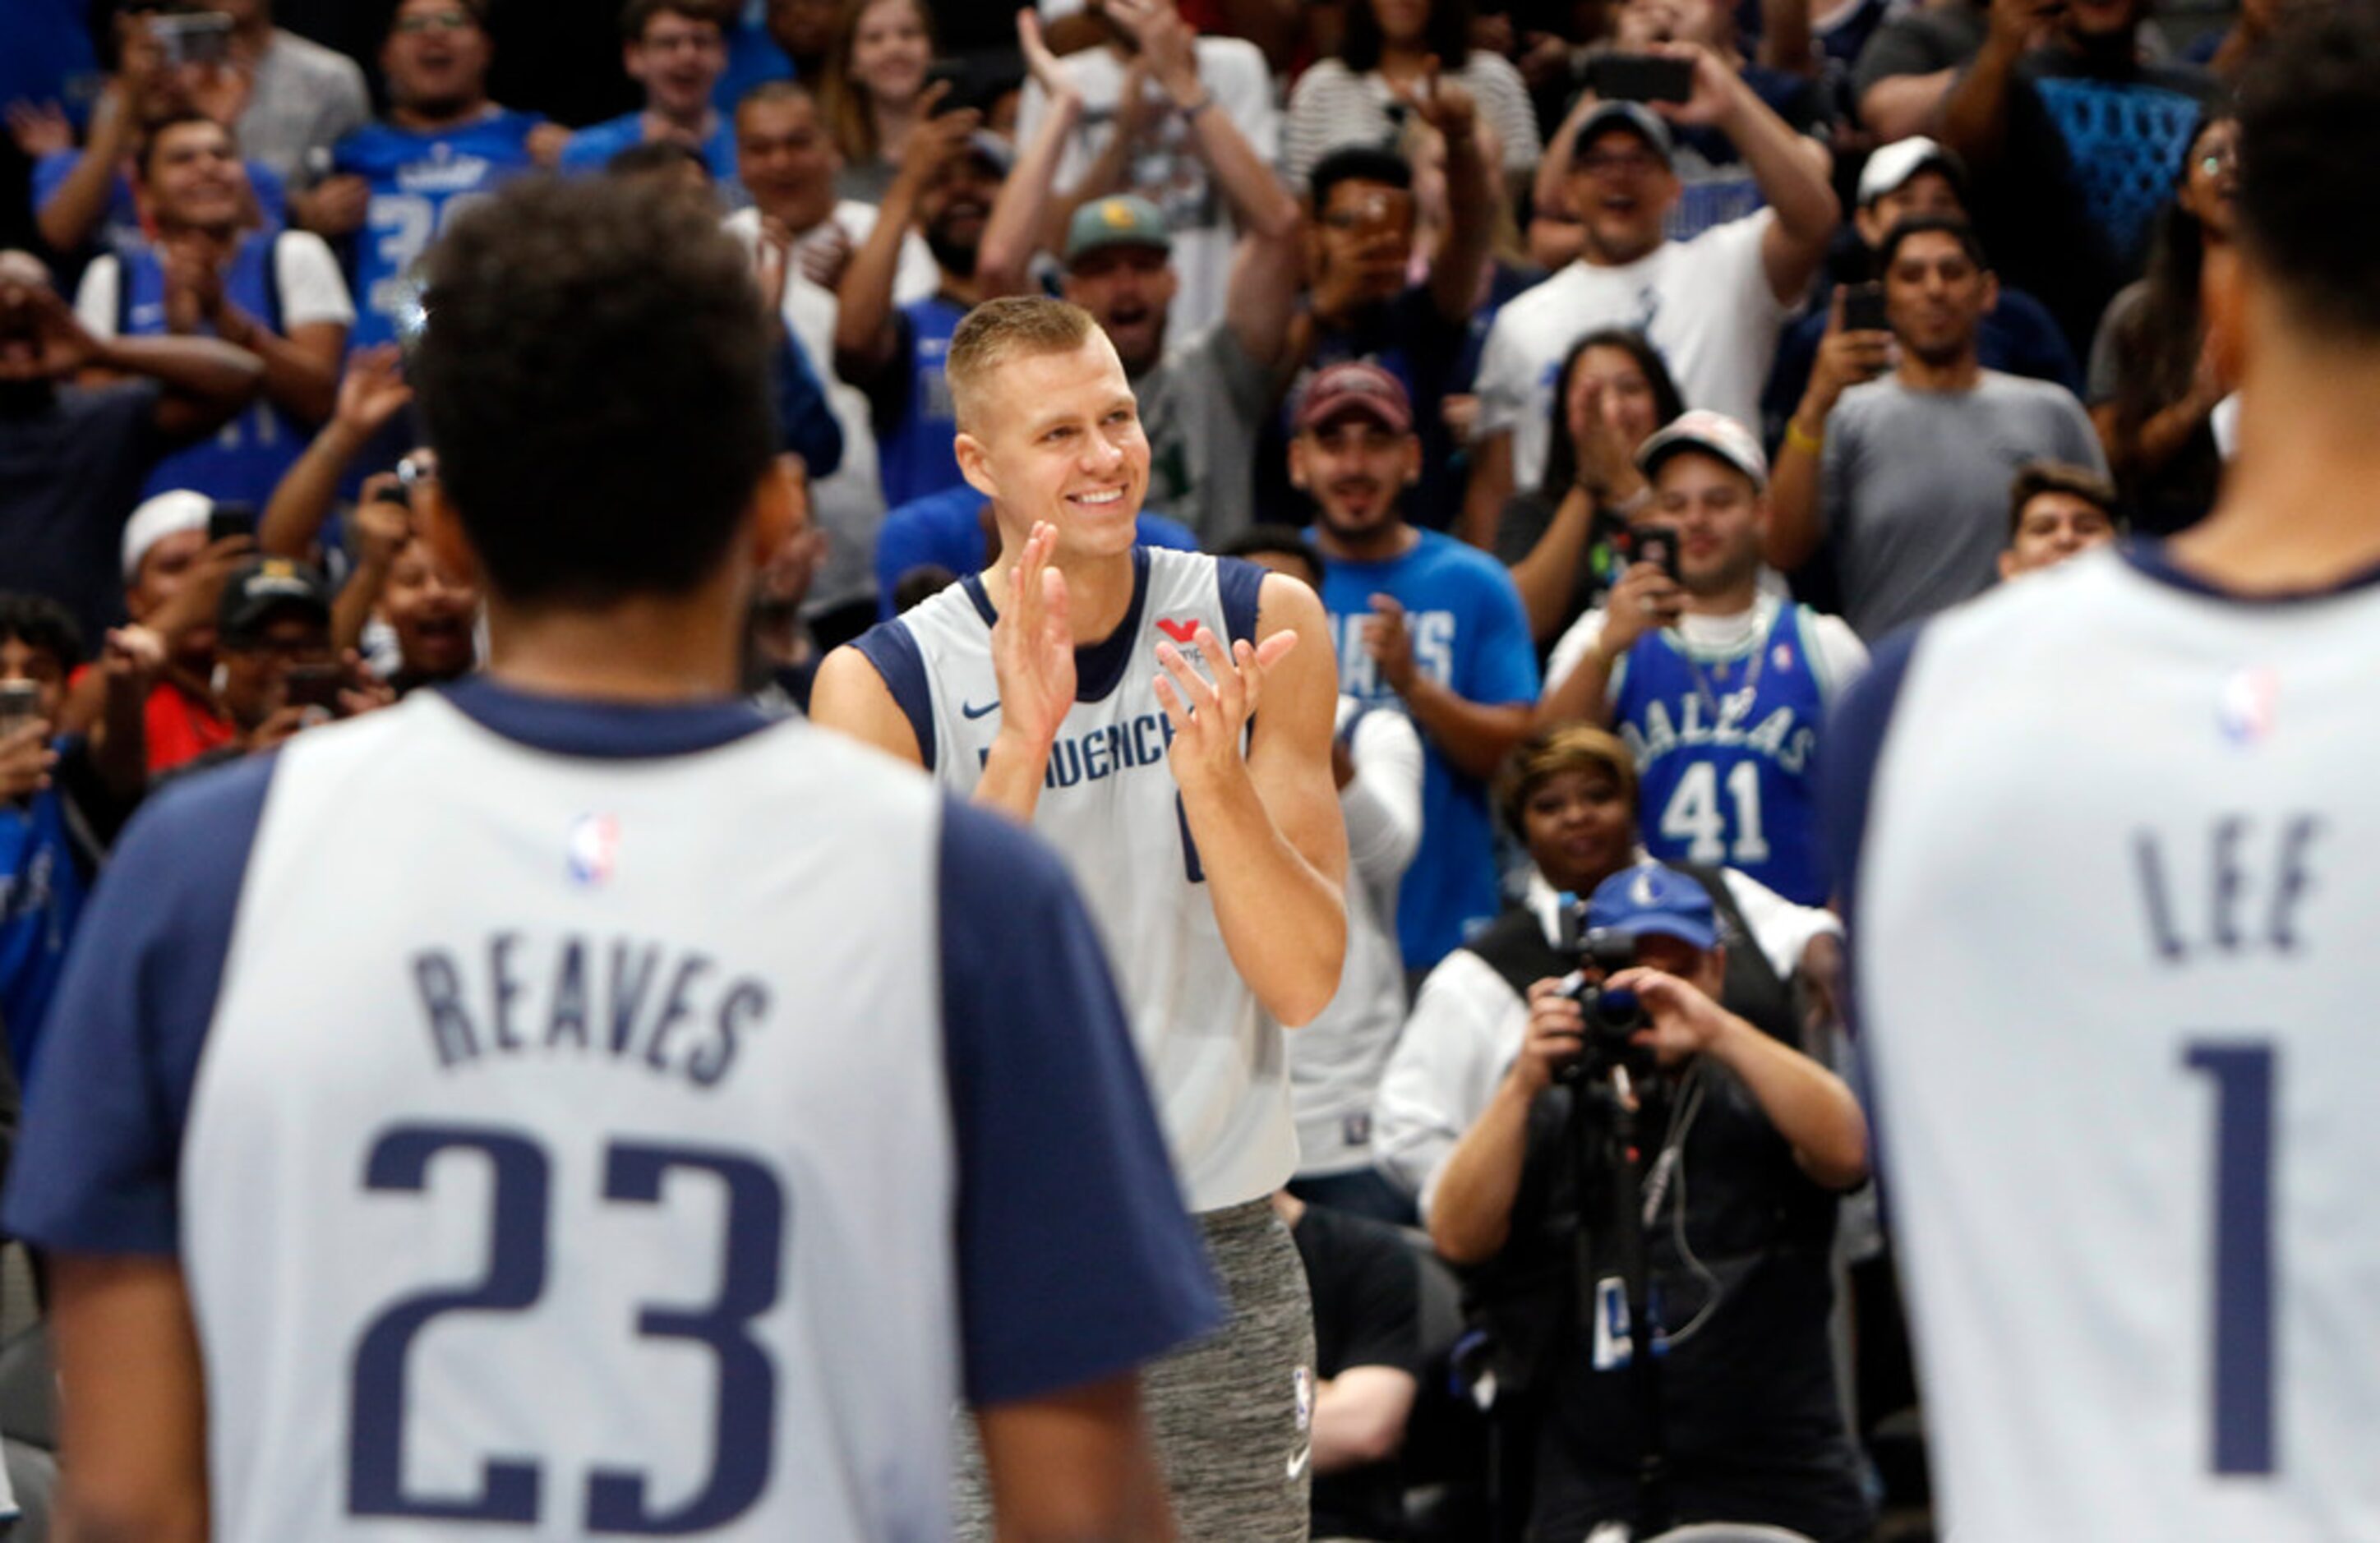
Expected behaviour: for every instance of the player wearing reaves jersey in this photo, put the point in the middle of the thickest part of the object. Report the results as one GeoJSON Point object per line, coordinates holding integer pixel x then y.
{"type": "Point", "coordinates": [467, 1128]}
{"type": "Point", "coordinates": [1199, 817]}
{"type": "Point", "coordinates": [2110, 840]}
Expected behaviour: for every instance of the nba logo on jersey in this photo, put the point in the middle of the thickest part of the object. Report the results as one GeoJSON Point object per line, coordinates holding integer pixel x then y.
{"type": "Point", "coordinates": [594, 849]}
{"type": "Point", "coordinates": [2250, 698]}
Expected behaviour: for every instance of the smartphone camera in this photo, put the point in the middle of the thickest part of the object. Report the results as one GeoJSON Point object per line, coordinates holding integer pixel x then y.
{"type": "Point", "coordinates": [1864, 308]}
{"type": "Point", "coordinates": [1640, 78]}
{"type": "Point", "coordinates": [1655, 543]}
{"type": "Point", "coordinates": [192, 38]}
{"type": "Point", "coordinates": [313, 685]}
{"type": "Point", "coordinates": [231, 521]}
{"type": "Point", "coordinates": [21, 703]}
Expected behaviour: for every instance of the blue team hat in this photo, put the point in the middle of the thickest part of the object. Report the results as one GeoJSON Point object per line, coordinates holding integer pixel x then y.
{"type": "Point", "coordinates": [1650, 899]}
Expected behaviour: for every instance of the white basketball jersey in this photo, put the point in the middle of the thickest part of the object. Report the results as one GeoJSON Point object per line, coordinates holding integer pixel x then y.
{"type": "Point", "coordinates": [584, 1147]}
{"type": "Point", "coordinates": [1216, 1062]}
{"type": "Point", "coordinates": [2114, 929]}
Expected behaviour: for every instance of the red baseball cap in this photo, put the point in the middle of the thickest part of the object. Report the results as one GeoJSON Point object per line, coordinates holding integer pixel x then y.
{"type": "Point", "coordinates": [1356, 386]}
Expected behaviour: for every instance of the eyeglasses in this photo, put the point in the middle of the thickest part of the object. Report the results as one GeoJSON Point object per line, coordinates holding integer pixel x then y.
{"type": "Point", "coordinates": [441, 21]}
{"type": "Point", "coordinates": [2215, 163]}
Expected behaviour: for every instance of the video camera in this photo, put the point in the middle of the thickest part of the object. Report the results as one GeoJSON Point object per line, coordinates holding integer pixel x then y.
{"type": "Point", "coordinates": [1614, 1016]}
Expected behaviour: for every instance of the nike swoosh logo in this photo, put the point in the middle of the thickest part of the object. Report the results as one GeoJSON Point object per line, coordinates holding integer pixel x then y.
{"type": "Point", "coordinates": [1297, 1464]}
{"type": "Point", "coordinates": [971, 710]}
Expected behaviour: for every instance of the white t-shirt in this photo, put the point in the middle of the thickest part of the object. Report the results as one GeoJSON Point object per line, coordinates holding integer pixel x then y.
{"type": "Point", "coordinates": [849, 505]}
{"type": "Point", "coordinates": [311, 287]}
{"type": "Point", "coordinates": [1705, 304]}
{"type": "Point", "coordinates": [1168, 171]}
{"type": "Point", "coordinates": [1841, 656]}
{"type": "Point", "coordinates": [1335, 1062]}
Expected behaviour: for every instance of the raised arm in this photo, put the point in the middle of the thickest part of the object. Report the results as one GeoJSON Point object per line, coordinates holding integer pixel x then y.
{"type": "Point", "coordinates": [1796, 485]}
{"type": "Point", "coordinates": [1257, 199]}
{"type": "Point", "coordinates": [372, 393]}
{"type": "Point", "coordinates": [1975, 113]}
{"type": "Point", "coordinates": [1791, 169]}
{"type": "Point", "coordinates": [866, 328]}
{"type": "Point", "coordinates": [1020, 216]}
{"type": "Point", "coordinates": [1448, 107]}
{"type": "Point", "coordinates": [1266, 823]}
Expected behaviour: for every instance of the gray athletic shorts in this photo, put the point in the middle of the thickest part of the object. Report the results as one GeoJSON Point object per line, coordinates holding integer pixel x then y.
{"type": "Point", "coordinates": [1232, 1416]}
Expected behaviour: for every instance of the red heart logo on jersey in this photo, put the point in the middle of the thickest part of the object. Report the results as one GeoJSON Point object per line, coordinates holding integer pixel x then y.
{"type": "Point", "coordinates": [1181, 632]}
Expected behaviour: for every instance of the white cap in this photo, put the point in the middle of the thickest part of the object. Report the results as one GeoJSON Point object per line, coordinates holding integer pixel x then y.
{"type": "Point", "coordinates": [1714, 434]}
{"type": "Point", "coordinates": [168, 514]}
{"type": "Point", "coordinates": [1890, 168]}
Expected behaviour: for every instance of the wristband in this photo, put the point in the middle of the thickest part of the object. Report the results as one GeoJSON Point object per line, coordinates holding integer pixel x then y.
{"type": "Point", "coordinates": [1802, 439]}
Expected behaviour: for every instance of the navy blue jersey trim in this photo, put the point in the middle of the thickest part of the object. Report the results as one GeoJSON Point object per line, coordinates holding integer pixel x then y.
{"type": "Point", "coordinates": [1241, 583]}
{"type": "Point", "coordinates": [2152, 559]}
{"type": "Point", "coordinates": [97, 1169]}
{"type": "Point", "coordinates": [973, 584]}
{"type": "Point", "coordinates": [893, 649]}
{"type": "Point", "coordinates": [606, 731]}
{"type": "Point", "coordinates": [1099, 668]}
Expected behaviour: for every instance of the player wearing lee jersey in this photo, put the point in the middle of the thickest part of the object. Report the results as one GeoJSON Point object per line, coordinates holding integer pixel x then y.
{"type": "Point", "coordinates": [1202, 823]}
{"type": "Point", "coordinates": [462, 1125]}
{"type": "Point", "coordinates": [2109, 841]}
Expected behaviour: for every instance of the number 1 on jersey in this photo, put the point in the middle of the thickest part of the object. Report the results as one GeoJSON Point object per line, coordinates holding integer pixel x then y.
{"type": "Point", "coordinates": [2242, 1382]}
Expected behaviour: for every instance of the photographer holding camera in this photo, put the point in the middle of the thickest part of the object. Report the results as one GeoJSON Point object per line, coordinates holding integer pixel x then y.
{"type": "Point", "coordinates": [1740, 1144]}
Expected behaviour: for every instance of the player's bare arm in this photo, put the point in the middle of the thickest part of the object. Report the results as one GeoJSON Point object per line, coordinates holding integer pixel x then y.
{"type": "Point", "coordinates": [1074, 1467]}
{"type": "Point", "coordinates": [851, 698]}
{"type": "Point", "coordinates": [1268, 823]}
{"type": "Point", "coordinates": [136, 1418]}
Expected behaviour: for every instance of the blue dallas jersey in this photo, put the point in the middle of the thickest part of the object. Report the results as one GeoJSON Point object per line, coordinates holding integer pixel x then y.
{"type": "Point", "coordinates": [546, 1156]}
{"type": "Point", "coordinates": [916, 424]}
{"type": "Point", "coordinates": [243, 461]}
{"type": "Point", "coordinates": [42, 893]}
{"type": "Point", "coordinates": [418, 179]}
{"type": "Point", "coordinates": [1725, 743]}
{"type": "Point", "coordinates": [1471, 636]}
{"type": "Point", "coordinates": [2110, 858]}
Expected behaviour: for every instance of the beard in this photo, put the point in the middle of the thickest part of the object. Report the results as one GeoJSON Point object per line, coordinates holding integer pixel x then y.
{"type": "Point", "coordinates": [954, 255]}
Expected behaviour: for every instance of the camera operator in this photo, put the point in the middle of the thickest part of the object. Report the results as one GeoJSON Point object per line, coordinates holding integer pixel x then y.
{"type": "Point", "coordinates": [1744, 1141]}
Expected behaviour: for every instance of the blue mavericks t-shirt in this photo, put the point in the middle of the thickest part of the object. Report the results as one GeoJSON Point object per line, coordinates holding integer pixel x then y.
{"type": "Point", "coordinates": [418, 179]}
{"type": "Point", "coordinates": [914, 422]}
{"type": "Point", "coordinates": [592, 148]}
{"type": "Point", "coordinates": [1726, 754]}
{"type": "Point", "coordinates": [42, 893]}
{"type": "Point", "coordinates": [243, 461]}
{"type": "Point", "coordinates": [945, 529]}
{"type": "Point", "coordinates": [1471, 636]}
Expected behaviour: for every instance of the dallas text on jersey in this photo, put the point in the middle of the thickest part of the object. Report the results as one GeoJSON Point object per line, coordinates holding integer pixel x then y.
{"type": "Point", "coordinates": [630, 999]}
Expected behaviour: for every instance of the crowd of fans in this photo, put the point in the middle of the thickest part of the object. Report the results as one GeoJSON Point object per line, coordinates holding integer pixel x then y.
{"type": "Point", "coordinates": [1616, 371]}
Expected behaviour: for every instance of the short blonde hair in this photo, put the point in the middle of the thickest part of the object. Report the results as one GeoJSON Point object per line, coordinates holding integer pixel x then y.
{"type": "Point", "coordinates": [1016, 326]}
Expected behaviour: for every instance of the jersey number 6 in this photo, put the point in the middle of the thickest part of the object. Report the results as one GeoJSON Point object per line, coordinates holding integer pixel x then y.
{"type": "Point", "coordinates": [743, 1420]}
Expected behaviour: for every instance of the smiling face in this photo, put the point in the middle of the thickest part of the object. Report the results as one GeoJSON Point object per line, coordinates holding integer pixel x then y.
{"type": "Point", "coordinates": [1622, 190]}
{"type": "Point", "coordinates": [1628, 403]}
{"type": "Point", "coordinates": [430, 607]}
{"type": "Point", "coordinates": [2210, 182]}
{"type": "Point", "coordinates": [1719, 516]}
{"type": "Point", "coordinates": [1357, 468]}
{"type": "Point", "coordinates": [1126, 289]}
{"type": "Point", "coordinates": [786, 160]}
{"type": "Point", "coordinates": [436, 58]}
{"type": "Point", "coordinates": [192, 176]}
{"type": "Point", "coordinates": [1578, 827]}
{"type": "Point", "coordinates": [677, 60]}
{"type": "Point", "coordinates": [890, 51]}
{"type": "Point", "coordinates": [1056, 436]}
{"type": "Point", "coordinates": [1937, 297]}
